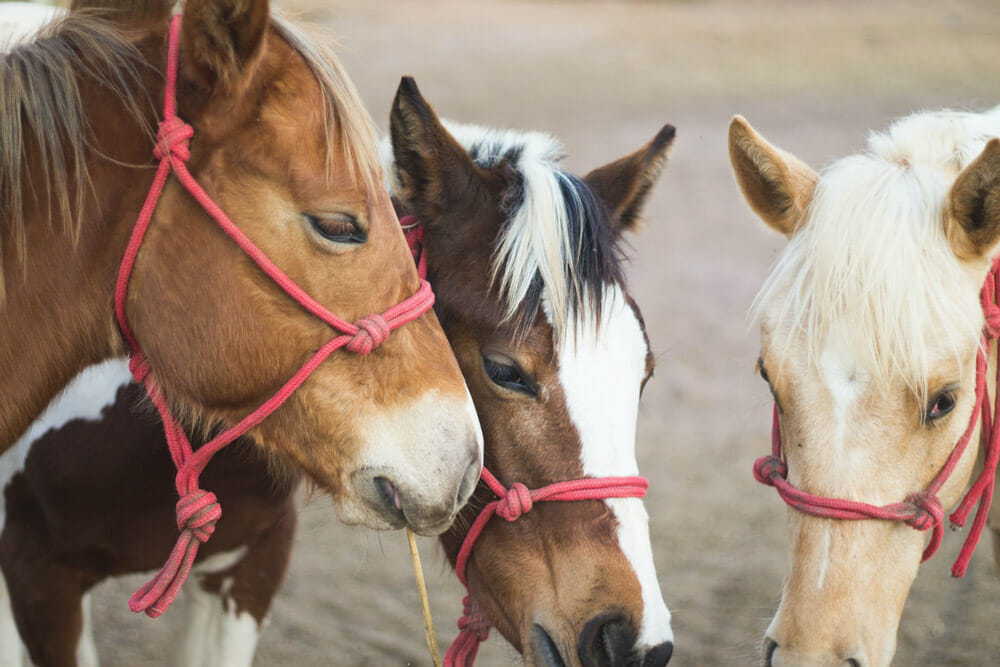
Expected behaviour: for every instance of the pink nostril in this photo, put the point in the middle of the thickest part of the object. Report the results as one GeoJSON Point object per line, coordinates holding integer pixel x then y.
{"type": "Point", "coordinates": [388, 492]}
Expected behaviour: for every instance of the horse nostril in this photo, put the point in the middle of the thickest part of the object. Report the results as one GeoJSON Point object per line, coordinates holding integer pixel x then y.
{"type": "Point", "coordinates": [853, 662]}
{"type": "Point", "coordinates": [545, 650]}
{"type": "Point", "coordinates": [770, 646]}
{"type": "Point", "coordinates": [468, 485]}
{"type": "Point", "coordinates": [606, 641]}
{"type": "Point", "coordinates": [388, 493]}
{"type": "Point", "coordinates": [659, 655]}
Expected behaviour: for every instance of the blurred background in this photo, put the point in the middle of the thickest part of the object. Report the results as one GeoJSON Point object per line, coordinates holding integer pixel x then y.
{"type": "Point", "coordinates": [813, 77]}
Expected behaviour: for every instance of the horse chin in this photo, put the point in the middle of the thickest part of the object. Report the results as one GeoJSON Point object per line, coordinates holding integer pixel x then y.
{"type": "Point", "coordinates": [354, 513]}
{"type": "Point", "coordinates": [844, 600]}
{"type": "Point", "coordinates": [547, 636]}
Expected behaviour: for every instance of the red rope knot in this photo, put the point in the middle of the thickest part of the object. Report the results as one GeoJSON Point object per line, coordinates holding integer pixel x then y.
{"type": "Point", "coordinates": [767, 467]}
{"type": "Point", "coordinates": [138, 366]}
{"type": "Point", "coordinates": [197, 512]}
{"type": "Point", "coordinates": [473, 620]}
{"type": "Point", "coordinates": [372, 332]}
{"type": "Point", "coordinates": [475, 629]}
{"type": "Point", "coordinates": [991, 312]}
{"type": "Point", "coordinates": [929, 512]}
{"type": "Point", "coordinates": [515, 503]}
{"type": "Point", "coordinates": [173, 138]}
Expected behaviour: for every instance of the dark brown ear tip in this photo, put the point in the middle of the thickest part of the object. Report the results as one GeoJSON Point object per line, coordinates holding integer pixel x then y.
{"type": "Point", "coordinates": [665, 136]}
{"type": "Point", "coordinates": [408, 97]}
{"type": "Point", "coordinates": [408, 85]}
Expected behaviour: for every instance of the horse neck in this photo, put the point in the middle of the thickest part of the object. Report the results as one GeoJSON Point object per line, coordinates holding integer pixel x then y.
{"type": "Point", "coordinates": [58, 316]}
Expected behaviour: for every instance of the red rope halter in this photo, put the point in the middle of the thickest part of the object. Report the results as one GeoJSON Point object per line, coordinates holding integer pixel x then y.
{"type": "Point", "coordinates": [512, 503]}
{"type": "Point", "coordinates": [921, 510]}
{"type": "Point", "coordinates": [198, 510]}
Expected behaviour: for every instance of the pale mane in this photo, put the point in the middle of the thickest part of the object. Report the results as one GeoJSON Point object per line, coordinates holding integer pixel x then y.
{"type": "Point", "coordinates": [347, 120]}
{"type": "Point", "coordinates": [40, 104]}
{"type": "Point", "coordinates": [872, 258]}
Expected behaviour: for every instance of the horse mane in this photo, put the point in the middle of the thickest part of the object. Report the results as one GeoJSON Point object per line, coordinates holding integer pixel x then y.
{"type": "Point", "coordinates": [556, 241]}
{"type": "Point", "coordinates": [872, 262]}
{"type": "Point", "coordinates": [41, 105]}
{"type": "Point", "coordinates": [347, 121]}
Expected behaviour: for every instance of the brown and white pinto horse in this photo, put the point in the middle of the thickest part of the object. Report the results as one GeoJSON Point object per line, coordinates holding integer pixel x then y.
{"type": "Point", "coordinates": [284, 147]}
{"type": "Point", "coordinates": [871, 326]}
{"type": "Point", "coordinates": [527, 261]}
{"type": "Point", "coordinates": [568, 583]}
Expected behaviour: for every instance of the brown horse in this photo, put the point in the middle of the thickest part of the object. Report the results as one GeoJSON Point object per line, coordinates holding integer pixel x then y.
{"type": "Point", "coordinates": [284, 147]}
{"type": "Point", "coordinates": [527, 261]}
{"type": "Point", "coordinates": [582, 589]}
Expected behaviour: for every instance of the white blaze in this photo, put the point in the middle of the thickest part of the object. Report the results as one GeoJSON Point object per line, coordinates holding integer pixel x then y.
{"type": "Point", "coordinates": [601, 366]}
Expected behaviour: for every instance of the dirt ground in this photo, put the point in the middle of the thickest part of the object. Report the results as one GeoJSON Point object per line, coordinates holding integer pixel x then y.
{"type": "Point", "coordinates": [813, 77]}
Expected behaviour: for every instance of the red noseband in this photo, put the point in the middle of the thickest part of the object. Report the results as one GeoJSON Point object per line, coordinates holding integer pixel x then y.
{"type": "Point", "coordinates": [513, 503]}
{"type": "Point", "coordinates": [198, 510]}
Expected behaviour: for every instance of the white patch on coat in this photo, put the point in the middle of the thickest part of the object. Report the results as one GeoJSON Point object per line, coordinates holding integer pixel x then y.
{"type": "Point", "coordinates": [825, 563]}
{"type": "Point", "coordinates": [601, 366]}
{"type": "Point", "coordinates": [845, 382]}
{"type": "Point", "coordinates": [89, 393]}
{"type": "Point", "coordinates": [215, 633]}
{"type": "Point", "coordinates": [86, 647]}
{"type": "Point", "coordinates": [12, 651]}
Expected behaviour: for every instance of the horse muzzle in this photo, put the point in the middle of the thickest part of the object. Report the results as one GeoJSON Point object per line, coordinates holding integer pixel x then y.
{"type": "Point", "coordinates": [607, 640]}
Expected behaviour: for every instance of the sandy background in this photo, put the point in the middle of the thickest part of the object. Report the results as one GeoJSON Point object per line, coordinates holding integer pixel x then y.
{"type": "Point", "coordinates": [604, 77]}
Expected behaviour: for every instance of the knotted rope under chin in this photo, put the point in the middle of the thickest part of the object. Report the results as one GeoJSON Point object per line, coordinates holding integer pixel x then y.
{"type": "Point", "coordinates": [474, 629]}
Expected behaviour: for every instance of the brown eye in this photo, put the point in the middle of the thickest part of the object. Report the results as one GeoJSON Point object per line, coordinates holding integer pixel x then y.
{"type": "Point", "coordinates": [339, 228]}
{"type": "Point", "coordinates": [763, 373]}
{"type": "Point", "coordinates": [940, 405]}
{"type": "Point", "coordinates": [507, 376]}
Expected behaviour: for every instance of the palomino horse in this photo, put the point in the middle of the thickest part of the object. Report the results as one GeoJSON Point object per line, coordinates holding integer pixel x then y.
{"type": "Point", "coordinates": [582, 585]}
{"type": "Point", "coordinates": [871, 344]}
{"type": "Point", "coordinates": [219, 332]}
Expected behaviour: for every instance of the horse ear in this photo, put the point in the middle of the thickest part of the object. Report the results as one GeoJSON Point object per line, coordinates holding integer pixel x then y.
{"type": "Point", "coordinates": [433, 171]}
{"type": "Point", "coordinates": [624, 185]}
{"type": "Point", "coordinates": [973, 223]}
{"type": "Point", "coordinates": [777, 185]}
{"type": "Point", "coordinates": [222, 41]}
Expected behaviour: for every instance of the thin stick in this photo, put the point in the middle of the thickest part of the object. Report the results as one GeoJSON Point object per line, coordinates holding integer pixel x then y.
{"type": "Point", "coordinates": [425, 607]}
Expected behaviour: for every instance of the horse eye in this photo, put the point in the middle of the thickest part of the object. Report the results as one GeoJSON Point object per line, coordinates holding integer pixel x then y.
{"type": "Point", "coordinates": [507, 376]}
{"type": "Point", "coordinates": [339, 228]}
{"type": "Point", "coordinates": [940, 405]}
{"type": "Point", "coordinates": [762, 371]}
